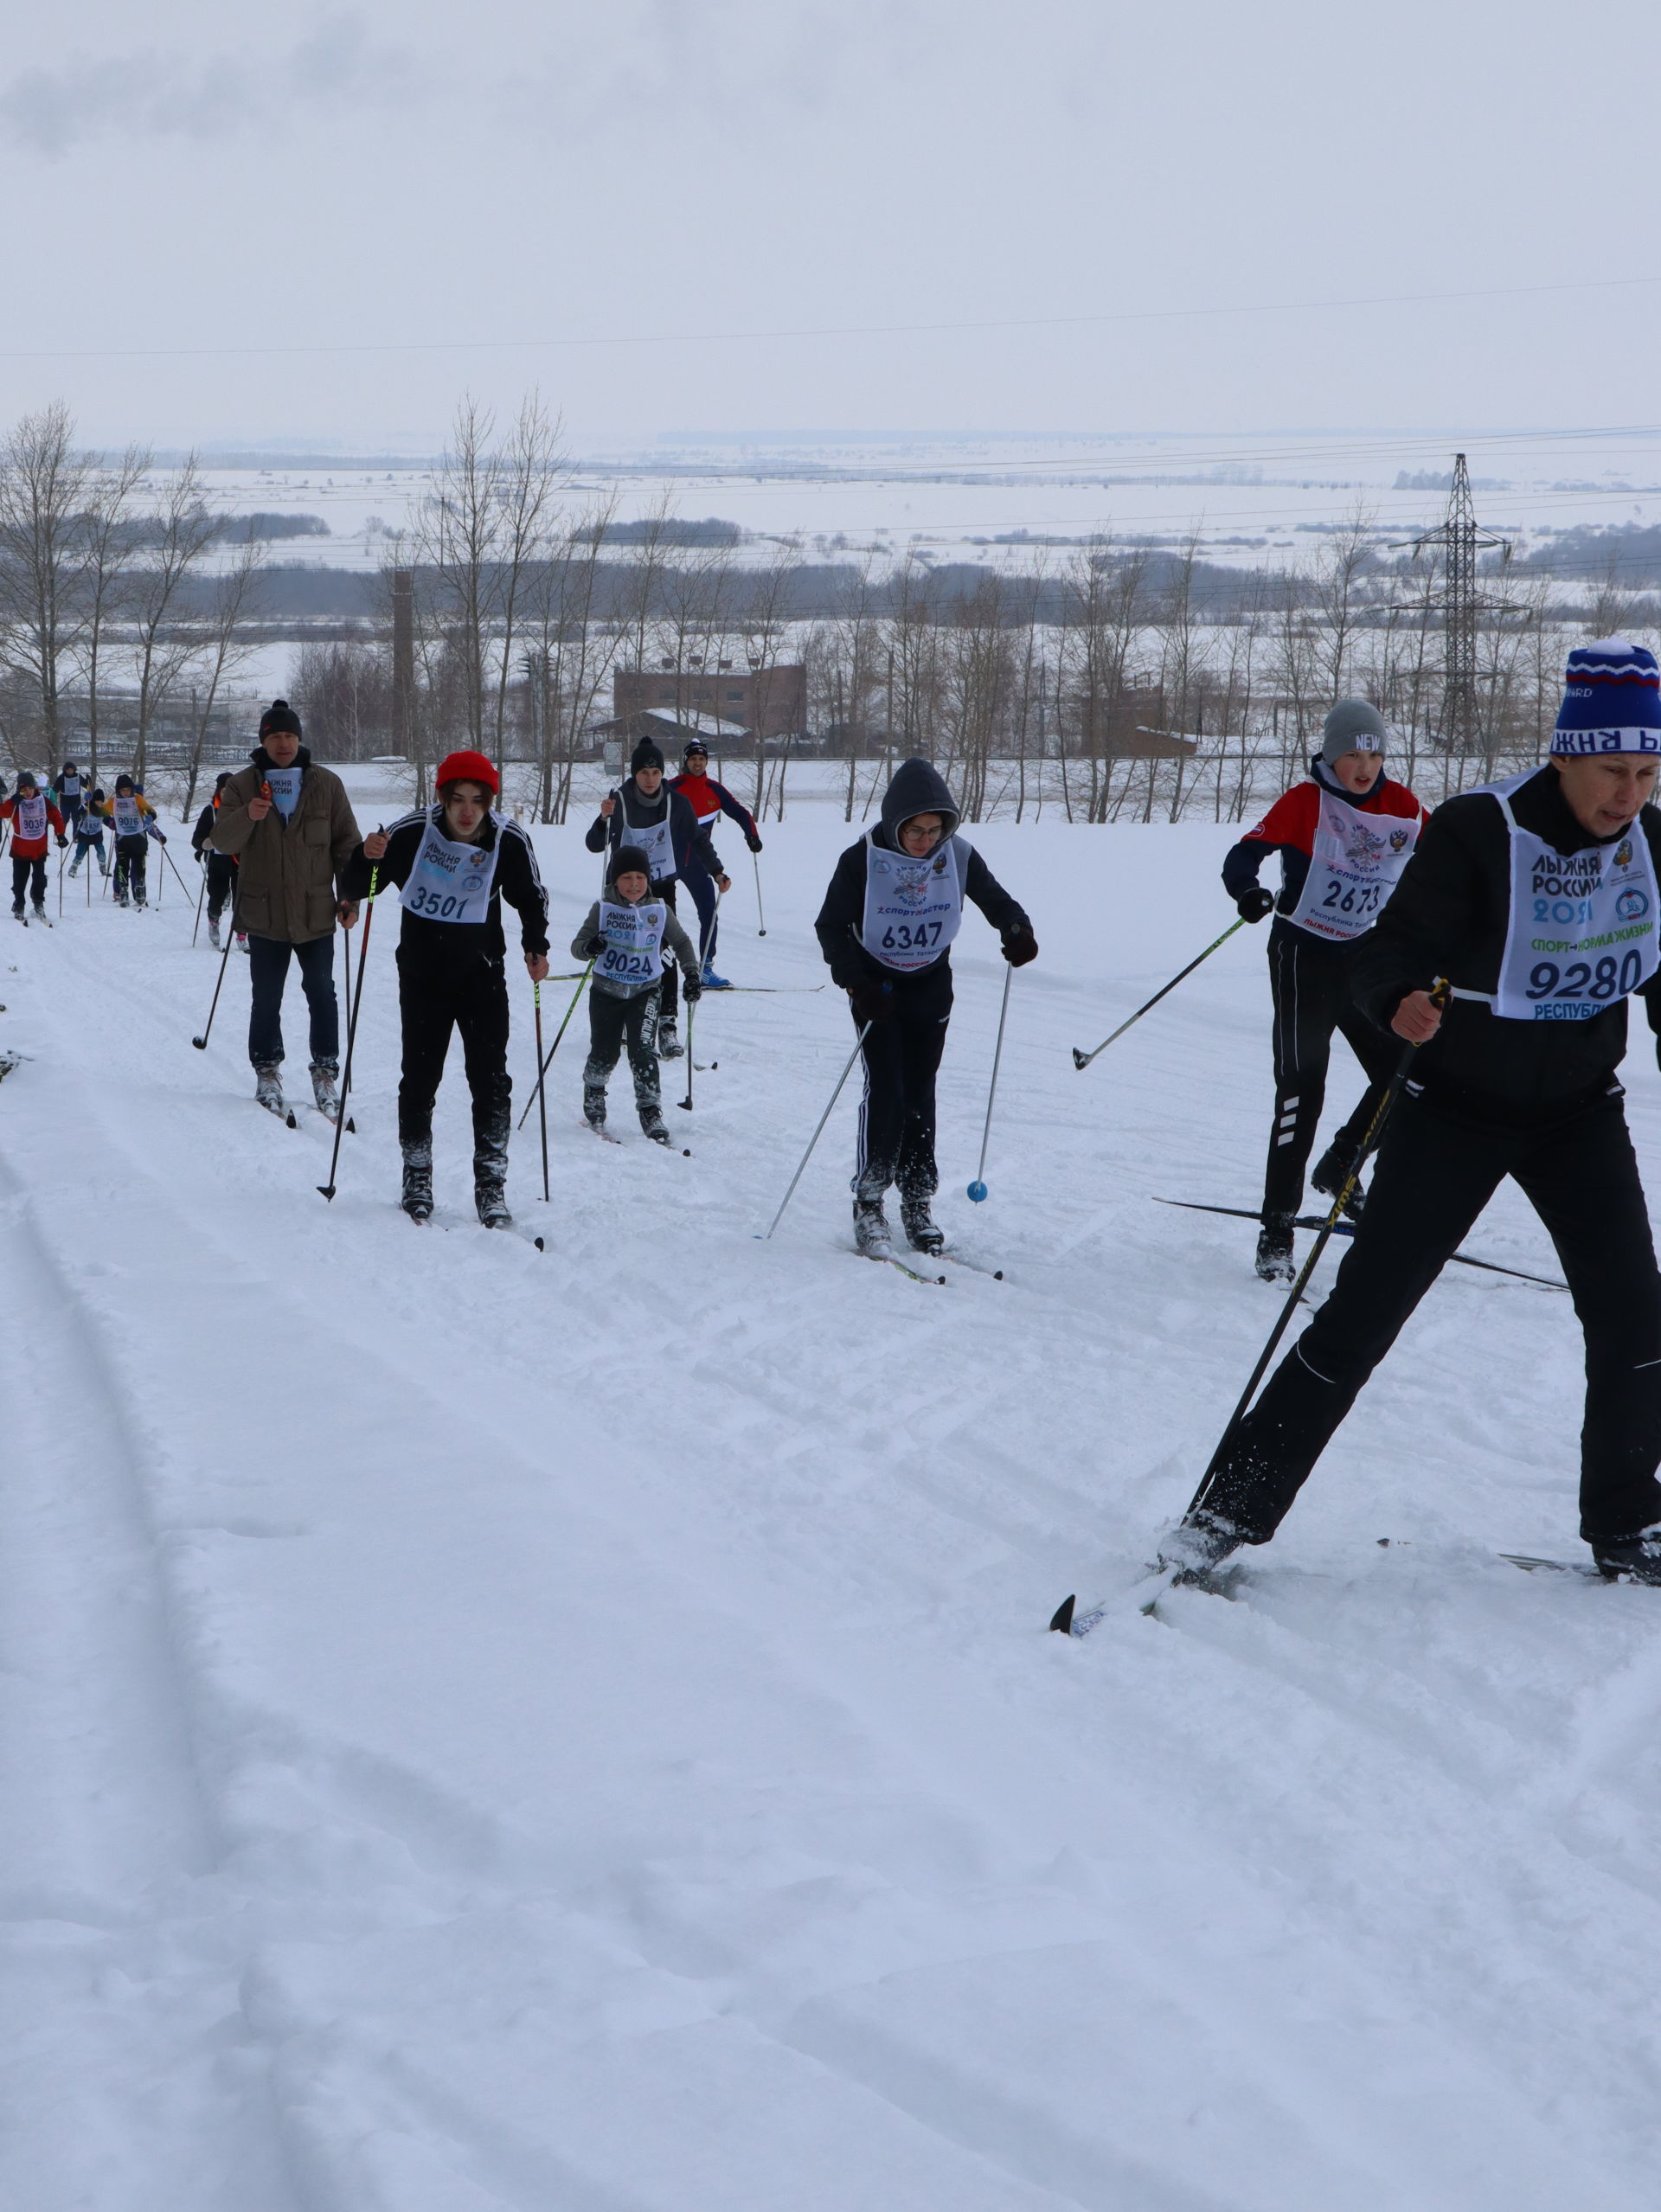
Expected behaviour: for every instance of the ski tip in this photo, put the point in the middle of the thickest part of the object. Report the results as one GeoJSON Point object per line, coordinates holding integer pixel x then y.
{"type": "Point", "coordinates": [326, 1190]}
{"type": "Point", "coordinates": [1061, 1619]}
{"type": "Point", "coordinates": [713, 1066]}
{"type": "Point", "coordinates": [1081, 1059]}
{"type": "Point", "coordinates": [351, 1127]}
{"type": "Point", "coordinates": [289, 1120]}
{"type": "Point", "coordinates": [997, 1274]}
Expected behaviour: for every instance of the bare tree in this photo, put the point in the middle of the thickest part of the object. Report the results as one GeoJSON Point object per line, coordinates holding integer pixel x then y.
{"type": "Point", "coordinates": [184, 528]}
{"type": "Point", "coordinates": [109, 533]}
{"type": "Point", "coordinates": [43, 490]}
{"type": "Point", "coordinates": [221, 647]}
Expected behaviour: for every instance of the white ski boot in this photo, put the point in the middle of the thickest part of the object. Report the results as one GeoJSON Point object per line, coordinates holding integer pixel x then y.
{"type": "Point", "coordinates": [669, 1039]}
{"type": "Point", "coordinates": [871, 1232]}
{"type": "Point", "coordinates": [325, 1091]}
{"type": "Point", "coordinates": [268, 1088]}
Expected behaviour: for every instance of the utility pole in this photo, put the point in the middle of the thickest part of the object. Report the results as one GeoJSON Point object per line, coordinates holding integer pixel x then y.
{"type": "Point", "coordinates": [1459, 539]}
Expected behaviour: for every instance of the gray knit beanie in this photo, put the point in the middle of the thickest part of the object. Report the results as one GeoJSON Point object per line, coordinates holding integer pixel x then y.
{"type": "Point", "coordinates": [1353, 726]}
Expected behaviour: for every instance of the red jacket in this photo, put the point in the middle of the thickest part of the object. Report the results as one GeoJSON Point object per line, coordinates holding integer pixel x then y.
{"type": "Point", "coordinates": [1289, 828]}
{"type": "Point", "coordinates": [31, 848]}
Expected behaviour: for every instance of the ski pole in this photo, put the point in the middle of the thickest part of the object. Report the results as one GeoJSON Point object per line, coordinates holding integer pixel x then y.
{"type": "Point", "coordinates": [760, 914]}
{"type": "Point", "coordinates": [328, 1189]}
{"type": "Point", "coordinates": [1082, 1060]}
{"type": "Point", "coordinates": [686, 1103]}
{"type": "Point", "coordinates": [61, 858]}
{"type": "Point", "coordinates": [542, 1071]}
{"type": "Point", "coordinates": [201, 1042]}
{"type": "Point", "coordinates": [978, 1188]}
{"type": "Point", "coordinates": [167, 859]}
{"type": "Point", "coordinates": [201, 896]}
{"type": "Point", "coordinates": [1438, 997]}
{"type": "Point", "coordinates": [541, 1097]}
{"type": "Point", "coordinates": [858, 1042]}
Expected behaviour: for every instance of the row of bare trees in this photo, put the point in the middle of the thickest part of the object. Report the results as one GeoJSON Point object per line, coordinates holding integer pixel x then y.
{"type": "Point", "coordinates": [98, 557]}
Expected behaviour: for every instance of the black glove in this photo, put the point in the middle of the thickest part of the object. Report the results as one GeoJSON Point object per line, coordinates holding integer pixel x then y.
{"type": "Point", "coordinates": [593, 948]}
{"type": "Point", "coordinates": [160, 835]}
{"type": "Point", "coordinates": [871, 1002]}
{"type": "Point", "coordinates": [1019, 946]}
{"type": "Point", "coordinates": [691, 989]}
{"type": "Point", "coordinates": [63, 841]}
{"type": "Point", "coordinates": [753, 843]}
{"type": "Point", "coordinates": [1255, 903]}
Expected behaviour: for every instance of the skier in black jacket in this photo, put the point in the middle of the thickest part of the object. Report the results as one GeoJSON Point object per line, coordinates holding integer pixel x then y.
{"type": "Point", "coordinates": [454, 863]}
{"type": "Point", "coordinates": [663, 825]}
{"type": "Point", "coordinates": [890, 913]}
{"type": "Point", "coordinates": [1537, 899]}
{"type": "Point", "coordinates": [220, 867]}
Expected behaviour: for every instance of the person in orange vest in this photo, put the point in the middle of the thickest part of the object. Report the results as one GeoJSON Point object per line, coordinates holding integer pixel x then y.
{"type": "Point", "coordinates": [30, 813]}
{"type": "Point", "coordinates": [135, 824]}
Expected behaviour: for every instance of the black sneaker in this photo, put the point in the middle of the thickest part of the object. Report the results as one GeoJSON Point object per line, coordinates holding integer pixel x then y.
{"type": "Point", "coordinates": [1631, 1559]}
{"type": "Point", "coordinates": [923, 1233]}
{"type": "Point", "coordinates": [1330, 1170]}
{"type": "Point", "coordinates": [1274, 1260]}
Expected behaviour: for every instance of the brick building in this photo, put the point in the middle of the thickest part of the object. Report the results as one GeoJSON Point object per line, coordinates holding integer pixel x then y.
{"type": "Point", "coordinates": [769, 701]}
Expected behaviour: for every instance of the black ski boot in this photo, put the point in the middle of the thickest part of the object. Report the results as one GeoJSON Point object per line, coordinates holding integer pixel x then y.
{"type": "Point", "coordinates": [652, 1125]}
{"type": "Point", "coordinates": [1631, 1559]}
{"type": "Point", "coordinates": [871, 1232]}
{"type": "Point", "coordinates": [1198, 1545]}
{"type": "Point", "coordinates": [923, 1234]}
{"type": "Point", "coordinates": [1330, 1170]}
{"type": "Point", "coordinates": [490, 1174]}
{"type": "Point", "coordinates": [593, 1105]}
{"type": "Point", "coordinates": [1274, 1260]}
{"type": "Point", "coordinates": [325, 1075]}
{"type": "Point", "coordinates": [417, 1197]}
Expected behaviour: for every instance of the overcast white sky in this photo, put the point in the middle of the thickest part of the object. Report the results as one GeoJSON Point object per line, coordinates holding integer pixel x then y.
{"type": "Point", "coordinates": [206, 173]}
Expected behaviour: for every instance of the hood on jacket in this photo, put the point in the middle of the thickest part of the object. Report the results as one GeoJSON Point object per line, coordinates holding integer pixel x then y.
{"type": "Point", "coordinates": [262, 760]}
{"type": "Point", "coordinates": [916, 787]}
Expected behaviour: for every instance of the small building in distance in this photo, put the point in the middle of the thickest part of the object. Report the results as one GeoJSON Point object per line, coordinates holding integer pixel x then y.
{"type": "Point", "coordinates": [768, 702]}
{"type": "Point", "coordinates": [672, 732]}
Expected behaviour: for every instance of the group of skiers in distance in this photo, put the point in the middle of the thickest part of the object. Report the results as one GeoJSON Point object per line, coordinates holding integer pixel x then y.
{"type": "Point", "coordinates": [1476, 960]}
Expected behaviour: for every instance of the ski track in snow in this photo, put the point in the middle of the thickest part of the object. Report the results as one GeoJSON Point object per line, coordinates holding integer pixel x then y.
{"type": "Point", "coordinates": [489, 1729]}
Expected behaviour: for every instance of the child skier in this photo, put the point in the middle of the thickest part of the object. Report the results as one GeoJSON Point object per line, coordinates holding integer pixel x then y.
{"type": "Point", "coordinates": [625, 935]}
{"type": "Point", "coordinates": [1344, 835]}
{"type": "Point", "coordinates": [71, 796]}
{"type": "Point", "coordinates": [89, 833]}
{"type": "Point", "coordinates": [221, 869]}
{"type": "Point", "coordinates": [454, 864]}
{"type": "Point", "coordinates": [706, 798]}
{"type": "Point", "coordinates": [893, 908]}
{"type": "Point", "coordinates": [30, 813]}
{"type": "Point", "coordinates": [135, 823]}
{"type": "Point", "coordinates": [663, 826]}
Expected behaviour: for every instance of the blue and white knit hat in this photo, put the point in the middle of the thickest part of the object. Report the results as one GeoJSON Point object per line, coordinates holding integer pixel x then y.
{"type": "Point", "coordinates": [1612, 700]}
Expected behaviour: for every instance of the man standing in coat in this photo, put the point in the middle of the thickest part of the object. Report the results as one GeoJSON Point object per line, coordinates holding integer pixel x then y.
{"type": "Point", "coordinates": [289, 825]}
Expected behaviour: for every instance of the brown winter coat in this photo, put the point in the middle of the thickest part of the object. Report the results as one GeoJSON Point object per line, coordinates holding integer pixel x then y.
{"type": "Point", "coordinates": [286, 871]}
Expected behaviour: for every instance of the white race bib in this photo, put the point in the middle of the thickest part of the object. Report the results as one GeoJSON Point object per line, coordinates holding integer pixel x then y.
{"type": "Point", "coordinates": [1582, 933]}
{"type": "Point", "coordinates": [913, 908]}
{"type": "Point", "coordinates": [634, 941]}
{"type": "Point", "coordinates": [29, 821]}
{"type": "Point", "coordinates": [1354, 863]}
{"type": "Point", "coordinates": [71, 787]}
{"type": "Point", "coordinates": [656, 844]}
{"type": "Point", "coordinates": [284, 784]}
{"type": "Point", "coordinates": [128, 817]}
{"type": "Point", "coordinates": [452, 881]}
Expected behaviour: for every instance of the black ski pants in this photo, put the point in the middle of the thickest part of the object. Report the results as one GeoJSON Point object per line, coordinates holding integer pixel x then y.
{"type": "Point", "coordinates": [20, 872]}
{"type": "Point", "coordinates": [130, 855]}
{"type": "Point", "coordinates": [669, 988]}
{"type": "Point", "coordinates": [1435, 1174]}
{"type": "Point", "coordinates": [268, 960]}
{"type": "Point", "coordinates": [896, 1115]}
{"type": "Point", "coordinates": [436, 996]}
{"type": "Point", "coordinates": [221, 870]}
{"type": "Point", "coordinates": [1310, 982]}
{"type": "Point", "coordinates": [611, 1018]}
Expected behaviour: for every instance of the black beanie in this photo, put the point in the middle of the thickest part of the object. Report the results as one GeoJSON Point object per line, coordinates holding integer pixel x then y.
{"type": "Point", "coordinates": [696, 746]}
{"type": "Point", "coordinates": [280, 715]}
{"type": "Point", "coordinates": [647, 754]}
{"type": "Point", "coordinates": [627, 857]}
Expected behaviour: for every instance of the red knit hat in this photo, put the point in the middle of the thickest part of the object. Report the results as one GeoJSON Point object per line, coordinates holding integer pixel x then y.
{"type": "Point", "coordinates": [467, 768]}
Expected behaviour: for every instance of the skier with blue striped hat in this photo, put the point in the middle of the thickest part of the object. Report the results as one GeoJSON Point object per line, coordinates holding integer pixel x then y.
{"type": "Point", "coordinates": [1536, 899]}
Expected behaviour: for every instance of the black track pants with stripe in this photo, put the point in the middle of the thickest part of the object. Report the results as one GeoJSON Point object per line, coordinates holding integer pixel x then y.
{"type": "Point", "coordinates": [1435, 1174]}
{"type": "Point", "coordinates": [896, 1115]}
{"type": "Point", "coordinates": [1311, 982]}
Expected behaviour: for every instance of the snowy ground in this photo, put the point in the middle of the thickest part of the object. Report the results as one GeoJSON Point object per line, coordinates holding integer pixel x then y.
{"type": "Point", "coordinates": [576, 1732]}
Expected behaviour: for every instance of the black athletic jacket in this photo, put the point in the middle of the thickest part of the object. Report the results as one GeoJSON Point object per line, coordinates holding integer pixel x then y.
{"type": "Point", "coordinates": [445, 942]}
{"type": "Point", "coordinates": [916, 789]}
{"type": "Point", "coordinates": [1448, 917]}
{"type": "Point", "coordinates": [687, 838]}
